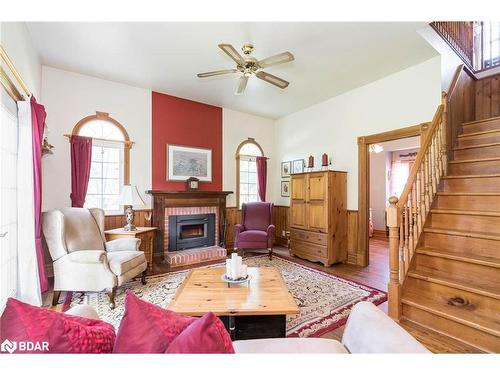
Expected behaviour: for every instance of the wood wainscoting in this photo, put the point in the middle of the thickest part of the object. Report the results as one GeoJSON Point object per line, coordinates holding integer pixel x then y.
{"type": "Point", "coordinates": [118, 220]}
{"type": "Point", "coordinates": [280, 220]}
{"type": "Point", "coordinates": [233, 215]}
{"type": "Point", "coordinates": [460, 106]}
{"type": "Point", "coordinates": [487, 97]}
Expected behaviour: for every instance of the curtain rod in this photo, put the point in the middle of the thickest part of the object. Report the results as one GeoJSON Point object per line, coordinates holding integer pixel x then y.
{"type": "Point", "coordinates": [14, 71]}
{"type": "Point", "coordinates": [127, 143]}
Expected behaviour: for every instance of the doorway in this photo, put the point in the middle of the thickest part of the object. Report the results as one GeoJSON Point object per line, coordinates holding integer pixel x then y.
{"type": "Point", "coordinates": [390, 165]}
{"type": "Point", "coordinates": [364, 144]}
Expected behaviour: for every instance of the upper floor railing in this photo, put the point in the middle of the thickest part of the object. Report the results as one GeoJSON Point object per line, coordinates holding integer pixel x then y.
{"type": "Point", "coordinates": [476, 42]}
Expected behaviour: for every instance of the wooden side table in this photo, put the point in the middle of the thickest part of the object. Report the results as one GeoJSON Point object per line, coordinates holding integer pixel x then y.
{"type": "Point", "coordinates": [145, 234]}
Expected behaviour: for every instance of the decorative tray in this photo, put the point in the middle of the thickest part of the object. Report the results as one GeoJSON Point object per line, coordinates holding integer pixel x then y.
{"type": "Point", "coordinates": [237, 281]}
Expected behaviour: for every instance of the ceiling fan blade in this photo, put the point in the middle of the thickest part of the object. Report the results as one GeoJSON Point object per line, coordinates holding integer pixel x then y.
{"type": "Point", "coordinates": [242, 84]}
{"type": "Point", "coordinates": [280, 58]}
{"type": "Point", "coordinates": [281, 83]}
{"type": "Point", "coordinates": [231, 51]}
{"type": "Point", "coordinates": [216, 73]}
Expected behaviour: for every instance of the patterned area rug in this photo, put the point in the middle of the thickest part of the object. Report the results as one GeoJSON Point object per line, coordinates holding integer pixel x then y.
{"type": "Point", "coordinates": [325, 300]}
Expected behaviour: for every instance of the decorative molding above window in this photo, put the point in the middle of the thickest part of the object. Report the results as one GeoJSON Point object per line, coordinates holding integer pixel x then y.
{"type": "Point", "coordinates": [110, 166]}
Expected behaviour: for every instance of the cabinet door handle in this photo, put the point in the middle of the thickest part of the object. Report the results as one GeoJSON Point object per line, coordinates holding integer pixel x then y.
{"type": "Point", "coordinates": [2, 235]}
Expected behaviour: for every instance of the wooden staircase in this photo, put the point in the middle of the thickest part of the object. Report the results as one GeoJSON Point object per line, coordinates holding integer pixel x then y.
{"type": "Point", "coordinates": [453, 286]}
{"type": "Point", "coordinates": [445, 244]}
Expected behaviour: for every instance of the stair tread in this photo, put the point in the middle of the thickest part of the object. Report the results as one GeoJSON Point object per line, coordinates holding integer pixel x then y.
{"type": "Point", "coordinates": [465, 212]}
{"type": "Point", "coordinates": [479, 121]}
{"type": "Point", "coordinates": [466, 317]}
{"type": "Point", "coordinates": [436, 342]}
{"type": "Point", "coordinates": [453, 176]}
{"type": "Point", "coordinates": [476, 146]}
{"type": "Point", "coordinates": [458, 255]}
{"type": "Point", "coordinates": [463, 233]}
{"type": "Point", "coordinates": [477, 160]}
{"type": "Point", "coordinates": [466, 135]}
{"type": "Point", "coordinates": [467, 193]}
{"type": "Point", "coordinates": [445, 279]}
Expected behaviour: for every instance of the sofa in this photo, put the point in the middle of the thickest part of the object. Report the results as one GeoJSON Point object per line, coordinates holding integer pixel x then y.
{"type": "Point", "coordinates": [368, 330]}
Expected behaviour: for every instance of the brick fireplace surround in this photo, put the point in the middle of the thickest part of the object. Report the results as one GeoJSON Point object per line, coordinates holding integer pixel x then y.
{"type": "Point", "coordinates": [167, 203]}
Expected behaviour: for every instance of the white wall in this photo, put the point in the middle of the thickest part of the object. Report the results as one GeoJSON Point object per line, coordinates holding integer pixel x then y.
{"type": "Point", "coordinates": [69, 97]}
{"type": "Point", "coordinates": [16, 41]}
{"type": "Point", "coordinates": [449, 59]}
{"type": "Point", "coordinates": [237, 127]}
{"type": "Point", "coordinates": [406, 98]}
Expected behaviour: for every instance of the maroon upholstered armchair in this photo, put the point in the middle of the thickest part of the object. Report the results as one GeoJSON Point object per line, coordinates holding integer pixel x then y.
{"type": "Point", "coordinates": [255, 230]}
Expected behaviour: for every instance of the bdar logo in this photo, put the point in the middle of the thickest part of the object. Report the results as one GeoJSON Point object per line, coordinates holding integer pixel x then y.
{"type": "Point", "coordinates": [8, 346]}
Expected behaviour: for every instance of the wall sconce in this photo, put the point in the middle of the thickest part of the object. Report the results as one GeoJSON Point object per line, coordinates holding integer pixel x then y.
{"type": "Point", "coordinates": [46, 146]}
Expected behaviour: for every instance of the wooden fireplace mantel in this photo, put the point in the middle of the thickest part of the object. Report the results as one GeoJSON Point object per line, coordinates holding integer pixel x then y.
{"type": "Point", "coordinates": [163, 199]}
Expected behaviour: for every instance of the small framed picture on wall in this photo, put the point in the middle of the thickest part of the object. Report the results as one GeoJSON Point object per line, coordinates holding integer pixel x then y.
{"type": "Point", "coordinates": [298, 166]}
{"type": "Point", "coordinates": [286, 168]}
{"type": "Point", "coordinates": [285, 188]}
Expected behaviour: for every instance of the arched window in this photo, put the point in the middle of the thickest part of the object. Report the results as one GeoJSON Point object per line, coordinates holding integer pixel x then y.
{"type": "Point", "coordinates": [109, 169]}
{"type": "Point", "coordinates": [246, 171]}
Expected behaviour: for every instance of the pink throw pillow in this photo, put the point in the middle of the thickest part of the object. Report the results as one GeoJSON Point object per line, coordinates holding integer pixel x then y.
{"type": "Point", "coordinates": [206, 335]}
{"type": "Point", "coordinates": [32, 329]}
{"type": "Point", "coordinates": [147, 328]}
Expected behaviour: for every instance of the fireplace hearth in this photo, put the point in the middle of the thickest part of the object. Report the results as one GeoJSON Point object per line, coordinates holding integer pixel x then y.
{"type": "Point", "coordinates": [191, 231]}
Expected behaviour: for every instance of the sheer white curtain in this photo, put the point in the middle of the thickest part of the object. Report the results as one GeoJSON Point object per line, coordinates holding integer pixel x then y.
{"type": "Point", "coordinates": [28, 286]}
{"type": "Point", "coordinates": [400, 172]}
{"type": "Point", "coordinates": [8, 198]}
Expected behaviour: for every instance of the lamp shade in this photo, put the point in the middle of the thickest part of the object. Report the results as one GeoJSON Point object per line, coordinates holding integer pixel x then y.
{"type": "Point", "coordinates": [130, 196]}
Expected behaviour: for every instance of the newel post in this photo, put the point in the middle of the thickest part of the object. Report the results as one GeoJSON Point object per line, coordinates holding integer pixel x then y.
{"type": "Point", "coordinates": [394, 286]}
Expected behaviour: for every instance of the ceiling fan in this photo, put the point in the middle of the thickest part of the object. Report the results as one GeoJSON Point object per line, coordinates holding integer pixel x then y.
{"type": "Point", "coordinates": [249, 66]}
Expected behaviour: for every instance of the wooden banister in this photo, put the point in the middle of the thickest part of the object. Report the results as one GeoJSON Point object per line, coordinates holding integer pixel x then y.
{"type": "Point", "coordinates": [406, 215]}
{"type": "Point", "coordinates": [436, 121]}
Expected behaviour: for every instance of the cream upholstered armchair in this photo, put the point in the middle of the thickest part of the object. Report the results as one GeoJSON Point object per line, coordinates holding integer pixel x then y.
{"type": "Point", "coordinates": [83, 260]}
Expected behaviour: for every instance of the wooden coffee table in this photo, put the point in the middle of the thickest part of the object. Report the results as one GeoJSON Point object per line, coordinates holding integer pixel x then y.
{"type": "Point", "coordinates": [257, 310]}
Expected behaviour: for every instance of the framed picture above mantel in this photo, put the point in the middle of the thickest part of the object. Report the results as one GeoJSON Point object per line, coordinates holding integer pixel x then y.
{"type": "Point", "coordinates": [184, 162]}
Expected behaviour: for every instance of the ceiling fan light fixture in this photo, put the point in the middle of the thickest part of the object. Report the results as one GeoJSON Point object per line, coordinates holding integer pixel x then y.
{"type": "Point", "coordinates": [249, 66]}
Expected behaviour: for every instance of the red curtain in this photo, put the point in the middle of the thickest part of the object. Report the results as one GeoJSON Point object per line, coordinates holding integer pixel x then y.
{"type": "Point", "coordinates": [261, 177]}
{"type": "Point", "coordinates": [38, 116]}
{"type": "Point", "coordinates": [81, 156]}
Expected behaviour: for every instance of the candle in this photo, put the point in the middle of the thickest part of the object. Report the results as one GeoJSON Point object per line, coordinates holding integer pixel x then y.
{"type": "Point", "coordinates": [324, 160]}
{"type": "Point", "coordinates": [244, 271]}
{"type": "Point", "coordinates": [228, 267]}
{"type": "Point", "coordinates": [311, 162]}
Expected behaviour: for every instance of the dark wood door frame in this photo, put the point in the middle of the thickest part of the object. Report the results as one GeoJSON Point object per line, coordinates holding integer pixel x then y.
{"type": "Point", "coordinates": [362, 253]}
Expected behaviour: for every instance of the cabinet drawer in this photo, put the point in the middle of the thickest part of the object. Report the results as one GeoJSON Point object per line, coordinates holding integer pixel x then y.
{"type": "Point", "coordinates": [307, 248]}
{"type": "Point", "coordinates": [315, 238]}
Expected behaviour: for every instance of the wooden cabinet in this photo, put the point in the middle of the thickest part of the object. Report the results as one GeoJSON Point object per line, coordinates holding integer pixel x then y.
{"type": "Point", "coordinates": [318, 219]}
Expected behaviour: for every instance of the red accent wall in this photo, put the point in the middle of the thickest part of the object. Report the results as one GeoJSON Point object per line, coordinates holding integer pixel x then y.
{"type": "Point", "coordinates": [186, 123]}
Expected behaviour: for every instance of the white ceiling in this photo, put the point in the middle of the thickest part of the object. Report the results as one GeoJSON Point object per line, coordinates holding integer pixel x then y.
{"type": "Point", "coordinates": [330, 58]}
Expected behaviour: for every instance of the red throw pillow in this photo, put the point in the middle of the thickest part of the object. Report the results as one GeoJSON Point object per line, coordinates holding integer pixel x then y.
{"type": "Point", "coordinates": [206, 335]}
{"type": "Point", "coordinates": [31, 329]}
{"type": "Point", "coordinates": [147, 328]}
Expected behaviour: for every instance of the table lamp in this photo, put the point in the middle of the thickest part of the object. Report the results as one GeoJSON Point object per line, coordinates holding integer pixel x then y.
{"type": "Point", "coordinates": [130, 197]}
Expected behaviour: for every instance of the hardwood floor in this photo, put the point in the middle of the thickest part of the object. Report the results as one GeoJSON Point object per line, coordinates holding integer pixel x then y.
{"type": "Point", "coordinates": [375, 275]}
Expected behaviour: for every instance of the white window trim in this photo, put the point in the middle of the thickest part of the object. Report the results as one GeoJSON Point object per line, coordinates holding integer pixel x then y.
{"type": "Point", "coordinates": [111, 144]}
